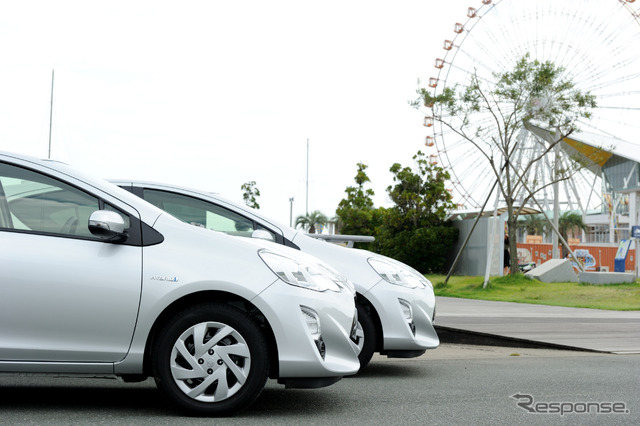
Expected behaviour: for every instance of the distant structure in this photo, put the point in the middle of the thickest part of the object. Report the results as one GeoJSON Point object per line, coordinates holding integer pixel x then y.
{"type": "Point", "coordinates": [617, 163]}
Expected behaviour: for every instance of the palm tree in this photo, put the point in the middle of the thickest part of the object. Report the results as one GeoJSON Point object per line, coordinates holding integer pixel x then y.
{"type": "Point", "coordinates": [570, 222]}
{"type": "Point", "coordinates": [310, 220]}
{"type": "Point", "coordinates": [533, 224]}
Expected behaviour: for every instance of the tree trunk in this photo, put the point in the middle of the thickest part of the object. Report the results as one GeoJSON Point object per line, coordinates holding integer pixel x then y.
{"type": "Point", "coordinates": [511, 231]}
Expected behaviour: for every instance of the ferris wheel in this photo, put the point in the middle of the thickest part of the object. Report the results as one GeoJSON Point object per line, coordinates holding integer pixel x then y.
{"type": "Point", "coordinates": [596, 42]}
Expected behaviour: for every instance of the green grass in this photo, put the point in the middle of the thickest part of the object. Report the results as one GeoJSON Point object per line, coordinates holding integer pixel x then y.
{"type": "Point", "coordinates": [518, 288]}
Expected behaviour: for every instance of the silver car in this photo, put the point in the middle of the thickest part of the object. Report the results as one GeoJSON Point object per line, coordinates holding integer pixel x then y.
{"type": "Point", "coordinates": [396, 304]}
{"type": "Point", "coordinates": [97, 282]}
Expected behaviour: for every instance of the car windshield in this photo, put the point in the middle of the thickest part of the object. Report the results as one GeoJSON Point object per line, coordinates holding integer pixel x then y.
{"type": "Point", "coordinates": [202, 213]}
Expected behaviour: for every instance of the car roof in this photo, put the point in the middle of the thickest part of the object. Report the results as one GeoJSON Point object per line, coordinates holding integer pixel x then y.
{"type": "Point", "coordinates": [288, 231]}
{"type": "Point", "coordinates": [147, 211]}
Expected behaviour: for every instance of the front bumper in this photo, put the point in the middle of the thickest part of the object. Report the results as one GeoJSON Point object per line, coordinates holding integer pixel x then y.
{"type": "Point", "coordinates": [303, 355]}
{"type": "Point", "coordinates": [403, 337]}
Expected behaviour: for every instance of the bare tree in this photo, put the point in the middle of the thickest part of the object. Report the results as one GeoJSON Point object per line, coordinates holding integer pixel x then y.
{"type": "Point", "coordinates": [492, 115]}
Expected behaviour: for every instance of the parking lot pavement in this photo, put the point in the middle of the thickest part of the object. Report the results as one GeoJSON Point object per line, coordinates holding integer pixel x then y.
{"type": "Point", "coordinates": [528, 324]}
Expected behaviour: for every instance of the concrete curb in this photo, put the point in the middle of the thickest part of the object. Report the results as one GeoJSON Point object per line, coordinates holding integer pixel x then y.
{"type": "Point", "coordinates": [603, 278]}
{"type": "Point", "coordinates": [467, 337]}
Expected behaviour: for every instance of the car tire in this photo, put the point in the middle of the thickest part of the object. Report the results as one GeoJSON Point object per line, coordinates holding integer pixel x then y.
{"type": "Point", "coordinates": [366, 332]}
{"type": "Point", "coordinates": [205, 378]}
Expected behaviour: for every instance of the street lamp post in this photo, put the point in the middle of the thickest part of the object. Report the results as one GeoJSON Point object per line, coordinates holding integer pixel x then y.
{"type": "Point", "coordinates": [307, 182]}
{"type": "Point", "coordinates": [291, 212]}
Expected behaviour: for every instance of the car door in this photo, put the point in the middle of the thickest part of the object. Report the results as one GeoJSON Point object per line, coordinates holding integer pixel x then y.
{"type": "Point", "coordinates": [65, 295]}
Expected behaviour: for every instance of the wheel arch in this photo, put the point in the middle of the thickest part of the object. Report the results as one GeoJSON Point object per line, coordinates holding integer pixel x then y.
{"type": "Point", "coordinates": [366, 304]}
{"type": "Point", "coordinates": [214, 297]}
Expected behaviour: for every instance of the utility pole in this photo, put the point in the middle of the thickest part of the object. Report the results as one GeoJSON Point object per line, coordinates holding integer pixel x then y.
{"type": "Point", "coordinates": [50, 115]}
{"type": "Point", "coordinates": [307, 192]}
{"type": "Point", "coordinates": [291, 212]}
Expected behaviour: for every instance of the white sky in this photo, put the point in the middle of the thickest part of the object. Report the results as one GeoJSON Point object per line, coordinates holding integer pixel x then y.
{"type": "Point", "coordinates": [211, 94]}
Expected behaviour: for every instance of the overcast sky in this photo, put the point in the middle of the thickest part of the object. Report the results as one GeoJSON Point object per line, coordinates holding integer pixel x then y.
{"type": "Point", "coordinates": [212, 94]}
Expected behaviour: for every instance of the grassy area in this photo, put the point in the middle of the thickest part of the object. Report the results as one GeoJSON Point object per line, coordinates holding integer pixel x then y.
{"type": "Point", "coordinates": [620, 297]}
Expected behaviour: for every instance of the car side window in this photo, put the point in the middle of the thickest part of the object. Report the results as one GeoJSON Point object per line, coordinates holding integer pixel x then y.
{"type": "Point", "coordinates": [201, 213]}
{"type": "Point", "coordinates": [30, 201]}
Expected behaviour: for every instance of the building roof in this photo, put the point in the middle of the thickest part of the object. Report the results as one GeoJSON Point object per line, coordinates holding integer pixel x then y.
{"type": "Point", "coordinates": [619, 147]}
{"type": "Point", "coordinates": [593, 148]}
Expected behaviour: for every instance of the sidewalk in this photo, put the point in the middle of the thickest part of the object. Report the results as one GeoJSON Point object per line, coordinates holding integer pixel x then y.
{"type": "Point", "coordinates": [588, 329]}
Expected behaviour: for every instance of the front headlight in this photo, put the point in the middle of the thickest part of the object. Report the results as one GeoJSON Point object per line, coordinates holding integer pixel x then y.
{"type": "Point", "coordinates": [338, 278]}
{"type": "Point", "coordinates": [399, 274]}
{"type": "Point", "coordinates": [300, 273]}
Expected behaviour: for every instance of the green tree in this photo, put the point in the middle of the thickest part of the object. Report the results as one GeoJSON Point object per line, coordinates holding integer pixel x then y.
{"type": "Point", "coordinates": [534, 224]}
{"type": "Point", "coordinates": [250, 194]}
{"type": "Point", "coordinates": [356, 213]}
{"type": "Point", "coordinates": [571, 223]}
{"type": "Point", "coordinates": [414, 230]}
{"type": "Point", "coordinates": [490, 114]}
{"type": "Point", "coordinates": [420, 196]}
{"type": "Point", "coordinates": [311, 220]}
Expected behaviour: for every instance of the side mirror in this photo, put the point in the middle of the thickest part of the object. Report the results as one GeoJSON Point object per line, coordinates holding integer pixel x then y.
{"type": "Point", "coordinates": [261, 234]}
{"type": "Point", "coordinates": [108, 225]}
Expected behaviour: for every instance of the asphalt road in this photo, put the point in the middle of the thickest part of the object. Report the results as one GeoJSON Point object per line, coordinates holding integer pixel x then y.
{"type": "Point", "coordinates": [454, 384]}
